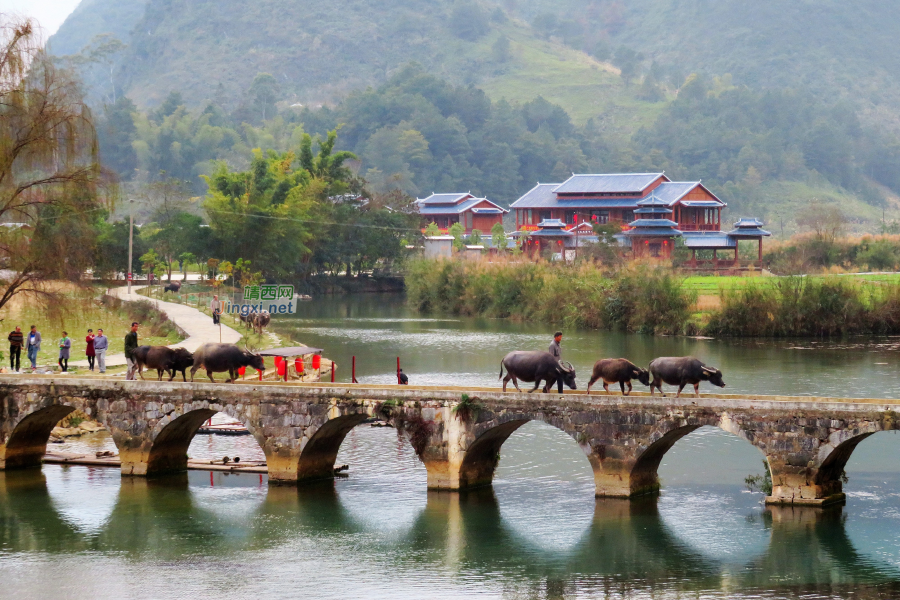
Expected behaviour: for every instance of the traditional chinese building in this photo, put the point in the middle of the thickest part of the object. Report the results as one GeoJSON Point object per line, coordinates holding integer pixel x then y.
{"type": "Point", "coordinates": [615, 198]}
{"type": "Point", "coordinates": [473, 213]}
{"type": "Point", "coordinates": [652, 233]}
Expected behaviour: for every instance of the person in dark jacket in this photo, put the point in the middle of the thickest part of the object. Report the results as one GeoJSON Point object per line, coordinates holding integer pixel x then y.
{"type": "Point", "coordinates": [16, 339]}
{"type": "Point", "coordinates": [556, 351]}
{"type": "Point", "coordinates": [64, 345]}
{"type": "Point", "coordinates": [404, 380]}
{"type": "Point", "coordinates": [89, 350]}
{"type": "Point", "coordinates": [33, 346]}
{"type": "Point", "coordinates": [131, 344]}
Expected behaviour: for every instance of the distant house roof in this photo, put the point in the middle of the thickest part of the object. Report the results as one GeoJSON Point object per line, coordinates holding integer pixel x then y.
{"type": "Point", "coordinates": [667, 193]}
{"type": "Point", "coordinates": [540, 196]}
{"type": "Point", "coordinates": [697, 240]}
{"type": "Point", "coordinates": [443, 208]}
{"type": "Point", "coordinates": [652, 228]}
{"type": "Point", "coordinates": [745, 222]}
{"type": "Point", "coordinates": [612, 183]}
{"type": "Point", "coordinates": [443, 199]}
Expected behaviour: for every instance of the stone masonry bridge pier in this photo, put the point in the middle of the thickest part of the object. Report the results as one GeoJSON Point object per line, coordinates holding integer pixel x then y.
{"type": "Point", "coordinates": [300, 427]}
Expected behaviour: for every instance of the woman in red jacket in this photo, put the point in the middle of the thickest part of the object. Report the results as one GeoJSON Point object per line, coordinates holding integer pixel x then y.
{"type": "Point", "coordinates": [90, 349]}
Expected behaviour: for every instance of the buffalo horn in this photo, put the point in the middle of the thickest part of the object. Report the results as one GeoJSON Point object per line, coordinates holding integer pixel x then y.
{"type": "Point", "coordinates": [566, 366]}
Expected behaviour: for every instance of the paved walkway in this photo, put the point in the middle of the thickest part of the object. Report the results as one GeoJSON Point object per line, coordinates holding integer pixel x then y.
{"type": "Point", "coordinates": [197, 325]}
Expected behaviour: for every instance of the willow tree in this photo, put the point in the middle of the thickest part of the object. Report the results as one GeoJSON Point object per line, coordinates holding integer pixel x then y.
{"type": "Point", "coordinates": [49, 171]}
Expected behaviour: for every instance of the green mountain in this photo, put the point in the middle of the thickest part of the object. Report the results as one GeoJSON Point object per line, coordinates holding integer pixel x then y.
{"type": "Point", "coordinates": [794, 101]}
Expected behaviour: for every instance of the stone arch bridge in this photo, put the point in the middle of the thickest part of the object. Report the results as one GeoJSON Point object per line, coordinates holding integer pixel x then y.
{"type": "Point", "coordinates": [806, 441]}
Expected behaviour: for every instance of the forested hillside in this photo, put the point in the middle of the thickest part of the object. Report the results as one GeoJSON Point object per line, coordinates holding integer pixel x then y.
{"type": "Point", "coordinates": [771, 105]}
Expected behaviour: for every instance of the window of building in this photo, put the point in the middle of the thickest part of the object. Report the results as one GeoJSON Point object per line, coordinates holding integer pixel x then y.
{"type": "Point", "coordinates": [544, 215]}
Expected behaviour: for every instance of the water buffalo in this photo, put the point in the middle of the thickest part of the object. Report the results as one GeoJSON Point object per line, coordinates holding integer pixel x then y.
{"type": "Point", "coordinates": [617, 370]}
{"type": "Point", "coordinates": [218, 358]}
{"type": "Point", "coordinates": [536, 366]}
{"type": "Point", "coordinates": [261, 320]}
{"type": "Point", "coordinates": [174, 286]}
{"type": "Point", "coordinates": [163, 359]}
{"type": "Point", "coordinates": [681, 371]}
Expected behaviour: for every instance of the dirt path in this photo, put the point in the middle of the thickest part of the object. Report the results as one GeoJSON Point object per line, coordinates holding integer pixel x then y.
{"type": "Point", "coordinates": [198, 326]}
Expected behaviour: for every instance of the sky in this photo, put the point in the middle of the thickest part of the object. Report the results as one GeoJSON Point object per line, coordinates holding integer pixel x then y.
{"type": "Point", "coordinates": [50, 14]}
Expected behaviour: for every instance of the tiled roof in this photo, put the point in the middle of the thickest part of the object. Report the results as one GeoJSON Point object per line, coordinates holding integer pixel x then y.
{"type": "Point", "coordinates": [671, 192]}
{"type": "Point", "coordinates": [540, 196]}
{"type": "Point", "coordinates": [615, 183]}
{"type": "Point", "coordinates": [653, 223]}
{"type": "Point", "coordinates": [443, 199]}
{"type": "Point", "coordinates": [749, 232]}
{"type": "Point", "coordinates": [701, 203]}
{"type": "Point", "coordinates": [744, 222]}
{"type": "Point", "coordinates": [653, 232]}
{"type": "Point", "coordinates": [697, 240]}
{"type": "Point", "coordinates": [454, 209]}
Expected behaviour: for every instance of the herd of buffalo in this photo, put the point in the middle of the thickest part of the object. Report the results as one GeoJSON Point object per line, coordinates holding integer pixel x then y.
{"type": "Point", "coordinates": [543, 366]}
{"type": "Point", "coordinates": [527, 366]}
{"type": "Point", "coordinates": [214, 358]}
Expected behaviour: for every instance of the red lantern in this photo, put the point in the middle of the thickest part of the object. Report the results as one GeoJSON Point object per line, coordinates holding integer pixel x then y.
{"type": "Point", "coordinates": [316, 361]}
{"type": "Point", "coordinates": [278, 361]}
{"type": "Point", "coordinates": [298, 364]}
{"type": "Point", "coordinates": [281, 367]}
{"type": "Point", "coordinates": [242, 371]}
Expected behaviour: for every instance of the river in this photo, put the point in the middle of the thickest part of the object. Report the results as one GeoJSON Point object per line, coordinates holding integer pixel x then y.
{"type": "Point", "coordinates": [78, 532]}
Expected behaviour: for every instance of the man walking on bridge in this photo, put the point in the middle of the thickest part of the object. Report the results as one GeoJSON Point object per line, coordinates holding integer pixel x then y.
{"type": "Point", "coordinates": [16, 339]}
{"type": "Point", "coordinates": [131, 344]}
{"type": "Point", "coordinates": [556, 351]}
{"type": "Point", "coordinates": [216, 307]}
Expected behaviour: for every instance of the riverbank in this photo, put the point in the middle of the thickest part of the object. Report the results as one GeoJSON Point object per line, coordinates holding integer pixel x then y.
{"type": "Point", "coordinates": [82, 308]}
{"type": "Point", "coordinates": [644, 298]}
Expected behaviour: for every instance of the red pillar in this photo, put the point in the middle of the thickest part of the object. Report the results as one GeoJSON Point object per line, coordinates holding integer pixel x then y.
{"type": "Point", "coordinates": [760, 251]}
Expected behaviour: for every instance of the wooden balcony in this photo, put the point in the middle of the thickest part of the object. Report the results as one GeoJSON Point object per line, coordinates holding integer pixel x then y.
{"type": "Point", "coordinates": [698, 227]}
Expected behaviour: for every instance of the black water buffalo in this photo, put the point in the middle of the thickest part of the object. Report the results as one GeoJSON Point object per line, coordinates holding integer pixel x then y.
{"type": "Point", "coordinates": [681, 371]}
{"type": "Point", "coordinates": [163, 359]}
{"type": "Point", "coordinates": [536, 367]}
{"type": "Point", "coordinates": [218, 358]}
{"type": "Point", "coordinates": [174, 286]}
{"type": "Point", "coordinates": [617, 370]}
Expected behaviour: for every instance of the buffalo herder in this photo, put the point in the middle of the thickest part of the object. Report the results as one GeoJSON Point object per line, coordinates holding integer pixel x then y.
{"type": "Point", "coordinates": [556, 351]}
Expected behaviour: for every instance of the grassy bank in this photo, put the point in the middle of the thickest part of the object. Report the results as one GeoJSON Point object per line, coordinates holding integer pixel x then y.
{"type": "Point", "coordinates": [647, 299]}
{"type": "Point", "coordinates": [639, 298]}
{"type": "Point", "coordinates": [80, 309]}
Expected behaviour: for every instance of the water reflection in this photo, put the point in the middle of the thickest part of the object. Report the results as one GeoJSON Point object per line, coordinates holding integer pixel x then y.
{"type": "Point", "coordinates": [463, 537]}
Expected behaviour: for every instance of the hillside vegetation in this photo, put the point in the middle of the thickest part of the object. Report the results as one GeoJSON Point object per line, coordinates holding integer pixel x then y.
{"type": "Point", "coordinates": [504, 96]}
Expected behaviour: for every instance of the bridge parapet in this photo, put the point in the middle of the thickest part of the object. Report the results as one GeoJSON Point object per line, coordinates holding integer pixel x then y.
{"type": "Point", "coordinates": [806, 441]}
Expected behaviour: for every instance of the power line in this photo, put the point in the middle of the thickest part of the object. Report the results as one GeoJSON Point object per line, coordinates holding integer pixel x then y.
{"type": "Point", "coordinates": [311, 222]}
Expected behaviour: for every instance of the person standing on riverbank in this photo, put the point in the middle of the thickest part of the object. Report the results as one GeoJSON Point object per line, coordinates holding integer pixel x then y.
{"type": "Point", "coordinates": [556, 351]}
{"type": "Point", "coordinates": [16, 339]}
{"type": "Point", "coordinates": [101, 343]}
{"type": "Point", "coordinates": [64, 345]}
{"type": "Point", "coordinates": [89, 350]}
{"type": "Point", "coordinates": [216, 307]}
{"type": "Point", "coordinates": [131, 344]}
{"type": "Point", "coordinates": [33, 346]}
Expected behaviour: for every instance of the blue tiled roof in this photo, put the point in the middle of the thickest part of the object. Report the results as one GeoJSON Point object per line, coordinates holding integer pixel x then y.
{"type": "Point", "coordinates": [489, 211]}
{"type": "Point", "coordinates": [550, 233]}
{"type": "Point", "coordinates": [540, 196]}
{"type": "Point", "coordinates": [697, 240]}
{"type": "Point", "coordinates": [453, 209]}
{"type": "Point", "coordinates": [442, 199]}
{"type": "Point", "coordinates": [551, 224]}
{"type": "Point", "coordinates": [744, 222]}
{"type": "Point", "coordinates": [653, 232]}
{"type": "Point", "coordinates": [701, 203]}
{"type": "Point", "coordinates": [671, 192]}
{"type": "Point", "coordinates": [667, 193]}
{"type": "Point", "coordinates": [653, 223]}
{"type": "Point", "coordinates": [615, 183]}
{"type": "Point", "coordinates": [750, 232]}
{"type": "Point", "coordinates": [653, 210]}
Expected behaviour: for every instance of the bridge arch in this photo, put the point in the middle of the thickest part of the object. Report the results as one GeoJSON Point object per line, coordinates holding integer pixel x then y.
{"type": "Point", "coordinates": [27, 443]}
{"type": "Point", "coordinates": [829, 476]}
{"type": "Point", "coordinates": [319, 453]}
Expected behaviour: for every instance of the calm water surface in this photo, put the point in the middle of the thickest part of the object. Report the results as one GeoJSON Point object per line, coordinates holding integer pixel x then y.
{"type": "Point", "coordinates": [81, 532]}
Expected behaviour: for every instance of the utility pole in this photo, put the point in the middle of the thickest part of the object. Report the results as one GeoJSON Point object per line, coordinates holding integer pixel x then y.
{"type": "Point", "coordinates": [130, 247]}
